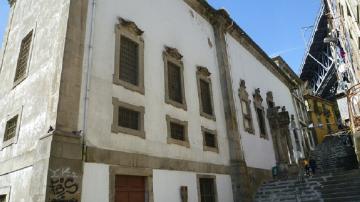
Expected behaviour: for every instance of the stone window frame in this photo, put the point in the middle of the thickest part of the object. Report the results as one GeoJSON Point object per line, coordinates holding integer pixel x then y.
{"type": "Point", "coordinates": [131, 31]}
{"type": "Point", "coordinates": [171, 140]}
{"type": "Point", "coordinates": [258, 105]}
{"type": "Point", "coordinates": [203, 74]}
{"type": "Point", "coordinates": [115, 128]}
{"type": "Point", "coordinates": [14, 139]}
{"type": "Point", "coordinates": [172, 55]}
{"type": "Point", "coordinates": [5, 191]}
{"type": "Point", "coordinates": [16, 82]}
{"type": "Point", "coordinates": [140, 172]}
{"type": "Point", "coordinates": [244, 97]}
{"type": "Point", "coordinates": [214, 132]}
{"type": "Point", "coordinates": [201, 176]}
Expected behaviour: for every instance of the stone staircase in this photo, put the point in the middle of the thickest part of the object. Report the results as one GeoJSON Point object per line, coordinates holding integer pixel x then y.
{"type": "Point", "coordinates": [332, 187]}
{"type": "Point", "coordinates": [337, 178]}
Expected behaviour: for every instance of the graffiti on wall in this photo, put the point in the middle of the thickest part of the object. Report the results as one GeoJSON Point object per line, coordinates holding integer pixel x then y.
{"type": "Point", "coordinates": [64, 185]}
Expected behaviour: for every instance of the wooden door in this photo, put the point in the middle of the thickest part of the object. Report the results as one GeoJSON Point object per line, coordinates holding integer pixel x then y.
{"type": "Point", "coordinates": [129, 188]}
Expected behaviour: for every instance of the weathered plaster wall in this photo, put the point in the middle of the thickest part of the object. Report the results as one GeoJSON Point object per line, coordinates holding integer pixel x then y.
{"type": "Point", "coordinates": [96, 185]}
{"type": "Point", "coordinates": [19, 189]}
{"type": "Point", "coordinates": [172, 23]}
{"type": "Point", "coordinates": [37, 95]}
{"type": "Point", "coordinates": [172, 193]}
{"type": "Point", "coordinates": [259, 153]}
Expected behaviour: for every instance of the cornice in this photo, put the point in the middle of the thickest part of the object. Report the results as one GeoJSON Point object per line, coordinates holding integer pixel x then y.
{"type": "Point", "coordinates": [222, 18]}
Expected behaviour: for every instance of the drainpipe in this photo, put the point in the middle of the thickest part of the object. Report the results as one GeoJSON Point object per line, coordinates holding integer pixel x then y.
{"type": "Point", "coordinates": [88, 75]}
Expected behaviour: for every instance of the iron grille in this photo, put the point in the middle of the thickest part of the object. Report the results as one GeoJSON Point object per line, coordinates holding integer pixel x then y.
{"type": "Point", "coordinates": [2, 198]}
{"type": "Point", "coordinates": [177, 131]}
{"type": "Point", "coordinates": [210, 140]}
{"type": "Point", "coordinates": [10, 129]}
{"type": "Point", "coordinates": [129, 60]}
{"type": "Point", "coordinates": [129, 118]}
{"type": "Point", "coordinates": [23, 57]}
{"type": "Point", "coordinates": [174, 82]}
{"type": "Point", "coordinates": [207, 190]}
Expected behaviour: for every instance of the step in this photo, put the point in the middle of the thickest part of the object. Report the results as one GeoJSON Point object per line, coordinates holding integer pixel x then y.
{"type": "Point", "coordinates": [341, 194]}
{"type": "Point", "coordinates": [355, 198]}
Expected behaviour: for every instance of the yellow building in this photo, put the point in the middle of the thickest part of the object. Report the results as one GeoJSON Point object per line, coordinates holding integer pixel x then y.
{"type": "Point", "coordinates": [322, 116]}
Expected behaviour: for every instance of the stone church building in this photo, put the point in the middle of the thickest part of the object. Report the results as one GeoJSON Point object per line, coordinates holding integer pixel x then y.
{"type": "Point", "coordinates": [124, 100]}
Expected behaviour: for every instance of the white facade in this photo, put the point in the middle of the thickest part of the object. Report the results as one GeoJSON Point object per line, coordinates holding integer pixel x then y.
{"type": "Point", "coordinates": [159, 31]}
{"type": "Point", "coordinates": [259, 152]}
{"type": "Point", "coordinates": [38, 100]}
{"type": "Point", "coordinates": [23, 167]}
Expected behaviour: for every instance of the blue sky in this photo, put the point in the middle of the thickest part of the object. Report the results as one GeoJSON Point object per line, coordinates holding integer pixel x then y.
{"type": "Point", "coordinates": [275, 25]}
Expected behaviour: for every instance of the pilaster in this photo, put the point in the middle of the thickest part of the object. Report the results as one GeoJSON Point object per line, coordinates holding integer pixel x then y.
{"type": "Point", "coordinates": [239, 174]}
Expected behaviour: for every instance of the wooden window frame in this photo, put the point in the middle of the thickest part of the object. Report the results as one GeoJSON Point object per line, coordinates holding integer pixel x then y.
{"type": "Point", "coordinates": [171, 140]}
{"type": "Point", "coordinates": [258, 105]}
{"type": "Point", "coordinates": [14, 139]}
{"type": "Point", "coordinates": [203, 74]}
{"type": "Point", "coordinates": [172, 55]}
{"type": "Point", "coordinates": [24, 76]}
{"type": "Point", "coordinates": [201, 176]}
{"type": "Point", "coordinates": [129, 30]}
{"type": "Point", "coordinates": [244, 97]}
{"type": "Point", "coordinates": [208, 148]}
{"type": "Point", "coordinates": [115, 128]}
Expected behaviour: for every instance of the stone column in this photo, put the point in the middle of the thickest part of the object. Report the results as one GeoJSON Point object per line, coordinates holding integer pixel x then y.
{"type": "Point", "coordinates": [239, 174]}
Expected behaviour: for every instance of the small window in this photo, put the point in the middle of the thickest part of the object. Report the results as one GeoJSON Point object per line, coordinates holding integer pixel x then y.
{"type": "Point", "coordinates": [177, 132]}
{"type": "Point", "coordinates": [128, 119]}
{"type": "Point", "coordinates": [207, 189]}
{"type": "Point", "coordinates": [21, 67]}
{"type": "Point", "coordinates": [129, 57]}
{"type": "Point", "coordinates": [3, 198]}
{"type": "Point", "coordinates": [174, 78]}
{"type": "Point", "coordinates": [210, 140]}
{"type": "Point", "coordinates": [10, 129]}
{"type": "Point", "coordinates": [205, 93]}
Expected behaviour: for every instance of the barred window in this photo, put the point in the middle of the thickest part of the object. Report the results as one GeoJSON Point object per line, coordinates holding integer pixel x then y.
{"type": "Point", "coordinates": [206, 97]}
{"type": "Point", "coordinates": [10, 129]}
{"type": "Point", "coordinates": [23, 57]}
{"type": "Point", "coordinates": [129, 61]}
{"type": "Point", "coordinates": [128, 118]}
{"type": "Point", "coordinates": [129, 56]}
{"type": "Point", "coordinates": [177, 131]}
{"type": "Point", "coordinates": [174, 82]}
{"type": "Point", "coordinates": [207, 190]}
{"type": "Point", "coordinates": [3, 198]}
{"type": "Point", "coordinates": [210, 139]}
